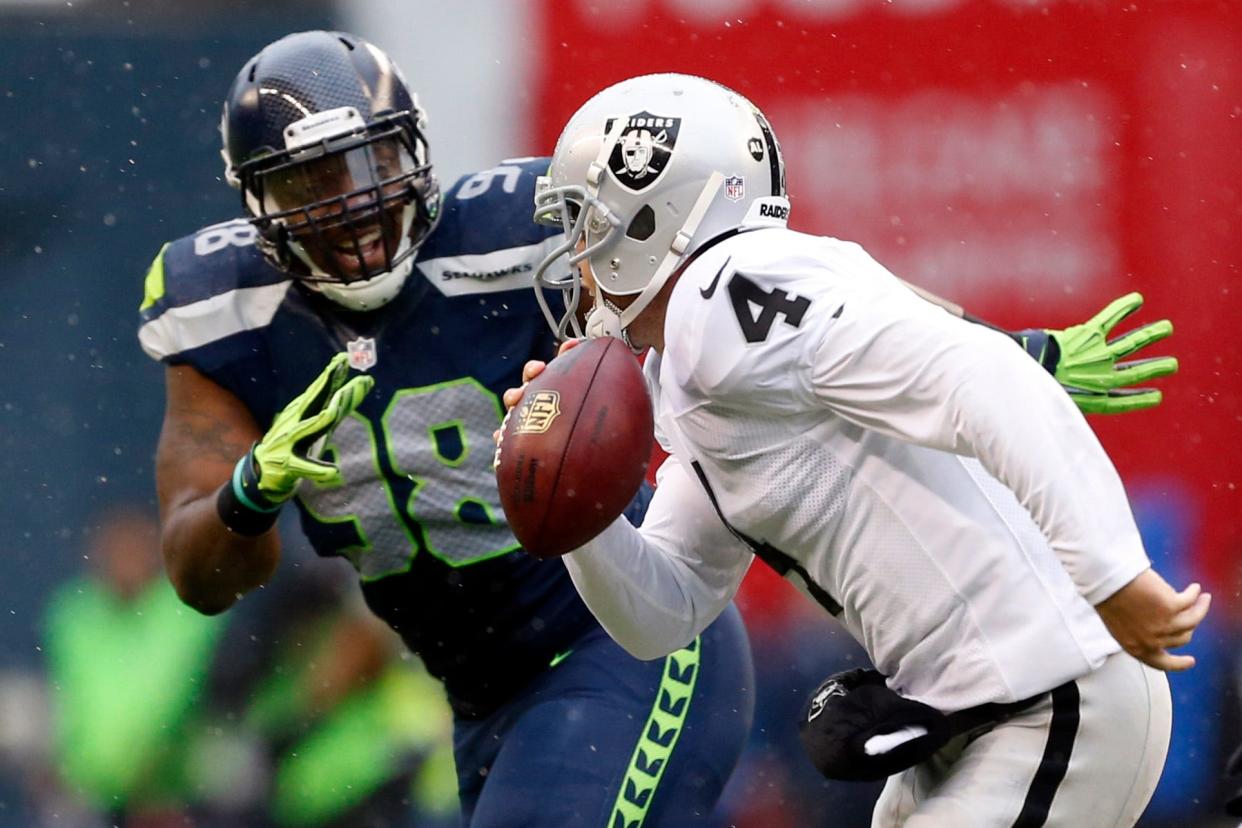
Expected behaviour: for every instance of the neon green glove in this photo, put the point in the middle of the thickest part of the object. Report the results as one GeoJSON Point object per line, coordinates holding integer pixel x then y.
{"type": "Point", "coordinates": [270, 472]}
{"type": "Point", "coordinates": [1086, 362]}
{"type": "Point", "coordinates": [283, 457]}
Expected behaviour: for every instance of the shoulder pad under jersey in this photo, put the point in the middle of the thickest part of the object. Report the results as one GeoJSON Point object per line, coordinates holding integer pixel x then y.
{"type": "Point", "coordinates": [487, 240]}
{"type": "Point", "coordinates": [205, 288]}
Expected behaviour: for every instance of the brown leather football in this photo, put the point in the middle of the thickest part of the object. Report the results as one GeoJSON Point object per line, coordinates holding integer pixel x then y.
{"type": "Point", "coordinates": [574, 452]}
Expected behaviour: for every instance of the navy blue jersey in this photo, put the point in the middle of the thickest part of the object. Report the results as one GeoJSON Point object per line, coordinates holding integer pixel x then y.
{"type": "Point", "coordinates": [418, 513]}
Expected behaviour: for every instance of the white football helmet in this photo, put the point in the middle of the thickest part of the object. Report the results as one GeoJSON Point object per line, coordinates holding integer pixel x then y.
{"type": "Point", "coordinates": [644, 174]}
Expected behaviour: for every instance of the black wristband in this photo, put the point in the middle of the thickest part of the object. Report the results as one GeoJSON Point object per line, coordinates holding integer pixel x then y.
{"type": "Point", "coordinates": [1042, 346]}
{"type": "Point", "coordinates": [241, 507]}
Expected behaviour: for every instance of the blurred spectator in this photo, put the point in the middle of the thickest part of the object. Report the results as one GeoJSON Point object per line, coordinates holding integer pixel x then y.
{"type": "Point", "coordinates": [319, 718]}
{"type": "Point", "coordinates": [126, 664]}
{"type": "Point", "coordinates": [310, 717]}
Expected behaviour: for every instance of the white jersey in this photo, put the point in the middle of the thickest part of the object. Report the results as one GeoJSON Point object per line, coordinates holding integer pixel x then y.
{"type": "Point", "coordinates": [918, 475]}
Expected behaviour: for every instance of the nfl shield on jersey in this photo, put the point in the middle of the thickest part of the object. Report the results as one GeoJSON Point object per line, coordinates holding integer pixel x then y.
{"type": "Point", "coordinates": [361, 353]}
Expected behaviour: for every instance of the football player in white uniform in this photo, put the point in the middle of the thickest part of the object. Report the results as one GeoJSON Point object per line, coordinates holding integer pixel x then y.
{"type": "Point", "coordinates": [916, 475]}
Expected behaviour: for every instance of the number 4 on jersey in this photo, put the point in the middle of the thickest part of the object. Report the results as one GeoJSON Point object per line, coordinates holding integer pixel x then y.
{"type": "Point", "coordinates": [771, 303]}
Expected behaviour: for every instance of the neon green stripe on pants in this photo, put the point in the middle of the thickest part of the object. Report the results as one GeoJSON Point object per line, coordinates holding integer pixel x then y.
{"type": "Point", "coordinates": [659, 737]}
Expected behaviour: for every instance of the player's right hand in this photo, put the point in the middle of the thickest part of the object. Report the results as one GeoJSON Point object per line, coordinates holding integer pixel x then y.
{"type": "Point", "coordinates": [1148, 618]}
{"type": "Point", "coordinates": [530, 370]}
{"type": "Point", "coordinates": [287, 453]}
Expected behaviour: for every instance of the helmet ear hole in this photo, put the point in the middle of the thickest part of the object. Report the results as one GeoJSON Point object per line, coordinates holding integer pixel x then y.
{"type": "Point", "coordinates": [642, 225]}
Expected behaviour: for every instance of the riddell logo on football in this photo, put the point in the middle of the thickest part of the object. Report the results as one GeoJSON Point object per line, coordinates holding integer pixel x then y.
{"type": "Point", "coordinates": [537, 414]}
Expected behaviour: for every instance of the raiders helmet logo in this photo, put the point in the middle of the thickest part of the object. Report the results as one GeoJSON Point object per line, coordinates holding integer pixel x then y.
{"type": "Point", "coordinates": [832, 688]}
{"type": "Point", "coordinates": [643, 150]}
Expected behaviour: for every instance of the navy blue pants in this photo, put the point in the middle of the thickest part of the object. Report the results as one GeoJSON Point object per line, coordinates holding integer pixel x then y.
{"type": "Point", "coordinates": [602, 739]}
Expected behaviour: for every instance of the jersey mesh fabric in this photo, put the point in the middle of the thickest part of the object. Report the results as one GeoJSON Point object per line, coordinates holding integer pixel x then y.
{"type": "Point", "coordinates": [919, 545]}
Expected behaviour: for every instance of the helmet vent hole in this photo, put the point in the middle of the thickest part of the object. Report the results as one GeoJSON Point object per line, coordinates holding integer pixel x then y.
{"type": "Point", "coordinates": [348, 45]}
{"type": "Point", "coordinates": [642, 225]}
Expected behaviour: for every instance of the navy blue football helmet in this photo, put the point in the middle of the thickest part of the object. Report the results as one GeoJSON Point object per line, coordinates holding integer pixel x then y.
{"type": "Point", "coordinates": [325, 142]}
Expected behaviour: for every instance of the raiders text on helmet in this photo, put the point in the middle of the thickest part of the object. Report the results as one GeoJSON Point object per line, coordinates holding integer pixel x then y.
{"type": "Point", "coordinates": [643, 175]}
{"type": "Point", "coordinates": [642, 151]}
{"type": "Point", "coordinates": [325, 141]}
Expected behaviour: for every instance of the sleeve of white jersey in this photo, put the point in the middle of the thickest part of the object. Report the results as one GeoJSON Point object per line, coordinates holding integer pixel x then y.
{"type": "Point", "coordinates": [892, 362]}
{"type": "Point", "coordinates": [654, 588]}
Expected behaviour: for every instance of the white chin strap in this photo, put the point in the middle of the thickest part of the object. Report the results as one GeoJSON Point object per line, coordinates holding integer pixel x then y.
{"type": "Point", "coordinates": [601, 321]}
{"type": "Point", "coordinates": [678, 247]}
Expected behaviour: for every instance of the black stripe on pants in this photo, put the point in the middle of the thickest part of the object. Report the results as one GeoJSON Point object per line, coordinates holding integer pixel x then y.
{"type": "Point", "coordinates": [1062, 731]}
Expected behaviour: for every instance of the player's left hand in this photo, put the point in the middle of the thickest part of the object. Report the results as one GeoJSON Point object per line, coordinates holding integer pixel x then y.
{"type": "Point", "coordinates": [1086, 362]}
{"type": "Point", "coordinates": [286, 453]}
{"type": "Point", "coordinates": [1148, 617]}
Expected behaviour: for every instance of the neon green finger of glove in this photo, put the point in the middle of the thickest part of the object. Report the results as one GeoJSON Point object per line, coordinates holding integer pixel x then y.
{"type": "Point", "coordinates": [286, 454]}
{"type": "Point", "coordinates": [1089, 361]}
{"type": "Point", "coordinates": [1121, 401]}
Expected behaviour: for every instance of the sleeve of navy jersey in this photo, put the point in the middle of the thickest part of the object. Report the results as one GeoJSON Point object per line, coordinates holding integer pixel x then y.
{"type": "Point", "coordinates": [209, 299]}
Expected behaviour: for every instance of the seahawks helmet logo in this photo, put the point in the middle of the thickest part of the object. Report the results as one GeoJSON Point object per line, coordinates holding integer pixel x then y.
{"type": "Point", "coordinates": [643, 149]}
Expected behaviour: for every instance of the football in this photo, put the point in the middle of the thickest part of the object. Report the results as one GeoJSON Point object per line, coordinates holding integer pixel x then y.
{"type": "Point", "coordinates": [573, 453]}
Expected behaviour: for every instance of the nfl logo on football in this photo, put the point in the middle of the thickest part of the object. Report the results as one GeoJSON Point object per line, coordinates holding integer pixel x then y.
{"type": "Point", "coordinates": [537, 415]}
{"type": "Point", "coordinates": [735, 188]}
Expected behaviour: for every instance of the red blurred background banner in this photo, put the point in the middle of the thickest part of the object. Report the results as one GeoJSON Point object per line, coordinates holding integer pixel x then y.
{"type": "Point", "coordinates": [1030, 160]}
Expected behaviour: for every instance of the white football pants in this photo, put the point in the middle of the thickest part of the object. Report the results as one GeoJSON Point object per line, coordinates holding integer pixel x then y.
{"type": "Point", "coordinates": [1113, 727]}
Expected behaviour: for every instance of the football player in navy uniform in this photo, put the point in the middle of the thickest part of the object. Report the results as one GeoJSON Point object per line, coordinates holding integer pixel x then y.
{"type": "Point", "coordinates": [419, 305]}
